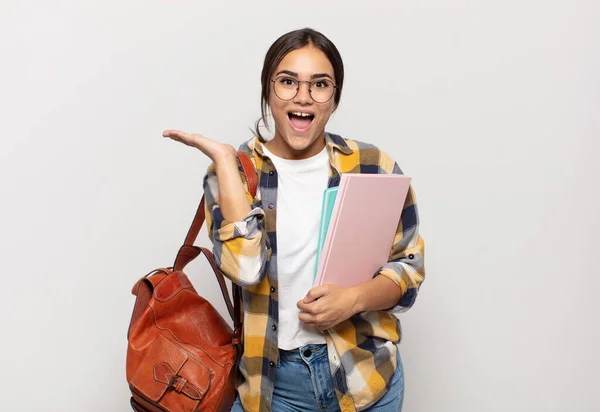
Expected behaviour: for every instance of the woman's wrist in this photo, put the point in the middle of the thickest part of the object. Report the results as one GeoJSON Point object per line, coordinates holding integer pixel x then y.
{"type": "Point", "coordinates": [356, 299]}
{"type": "Point", "coordinates": [225, 159]}
{"type": "Point", "coordinates": [379, 293]}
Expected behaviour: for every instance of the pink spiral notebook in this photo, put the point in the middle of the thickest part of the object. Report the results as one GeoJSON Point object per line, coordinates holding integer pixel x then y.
{"type": "Point", "coordinates": [363, 225]}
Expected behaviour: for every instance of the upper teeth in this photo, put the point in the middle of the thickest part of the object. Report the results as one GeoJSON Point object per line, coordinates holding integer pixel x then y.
{"type": "Point", "coordinates": [301, 114]}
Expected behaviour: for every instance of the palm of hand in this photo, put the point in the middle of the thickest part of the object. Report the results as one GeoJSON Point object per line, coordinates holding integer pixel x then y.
{"type": "Point", "coordinates": [209, 147]}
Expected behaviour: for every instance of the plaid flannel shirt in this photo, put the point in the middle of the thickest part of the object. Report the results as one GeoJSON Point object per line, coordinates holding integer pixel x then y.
{"type": "Point", "coordinates": [362, 349]}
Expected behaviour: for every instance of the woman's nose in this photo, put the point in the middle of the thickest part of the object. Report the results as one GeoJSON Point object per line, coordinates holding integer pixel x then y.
{"type": "Point", "coordinates": [303, 96]}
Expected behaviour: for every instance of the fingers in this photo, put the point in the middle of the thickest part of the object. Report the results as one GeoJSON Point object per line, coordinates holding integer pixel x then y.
{"type": "Point", "coordinates": [309, 318]}
{"type": "Point", "coordinates": [175, 133]}
{"type": "Point", "coordinates": [306, 317]}
{"type": "Point", "coordinates": [314, 320]}
{"type": "Point", "coordinates": [178, 136]}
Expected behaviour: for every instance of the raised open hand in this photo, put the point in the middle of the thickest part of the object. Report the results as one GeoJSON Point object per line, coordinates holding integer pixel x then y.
{"type": "Point", "coordinates": [213, 149]}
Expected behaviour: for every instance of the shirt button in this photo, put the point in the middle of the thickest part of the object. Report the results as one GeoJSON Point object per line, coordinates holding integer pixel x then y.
{"type": "Point", "coordinates": [272, 289]}
{"type": "Point", "coordinates": [270, 205]}
{"type": "Point", "coordinates": [411, 256]}
{"type": "Point", "coordinates": [274, 327]}
{"type": "Point", "coordinates": [271, 173]}
{"type": "Point", "coordinates": [271, 364]}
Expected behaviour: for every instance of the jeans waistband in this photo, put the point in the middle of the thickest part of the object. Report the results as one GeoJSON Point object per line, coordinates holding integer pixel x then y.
{"type": "Point", "coordinates": [303, 353]}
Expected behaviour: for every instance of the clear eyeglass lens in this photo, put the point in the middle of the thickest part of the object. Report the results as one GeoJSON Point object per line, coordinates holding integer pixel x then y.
{"type": "Point", "coordinates": [321, 90]}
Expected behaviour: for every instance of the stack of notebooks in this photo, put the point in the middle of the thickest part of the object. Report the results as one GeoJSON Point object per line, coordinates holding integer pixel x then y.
{"type": "Point", "coordinates": [359, 219]}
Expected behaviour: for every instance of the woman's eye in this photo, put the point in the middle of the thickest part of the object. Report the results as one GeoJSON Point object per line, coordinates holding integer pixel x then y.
{"type": "Point", "coordinates": [319, 84]}
{"type": "Point", "coordinates": [287, 81]}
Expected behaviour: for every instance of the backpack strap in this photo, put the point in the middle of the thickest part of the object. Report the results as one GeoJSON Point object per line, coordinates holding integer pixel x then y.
{"type": "Point", "coordinates": [189, 252]}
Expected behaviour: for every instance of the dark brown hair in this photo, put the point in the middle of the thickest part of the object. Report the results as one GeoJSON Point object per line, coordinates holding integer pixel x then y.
{"type": "Point", "coordinates": [291, 41]}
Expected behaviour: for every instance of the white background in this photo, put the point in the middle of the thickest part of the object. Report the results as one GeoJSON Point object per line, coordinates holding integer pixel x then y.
{"type": "Point", "coordinates": [491, 106]}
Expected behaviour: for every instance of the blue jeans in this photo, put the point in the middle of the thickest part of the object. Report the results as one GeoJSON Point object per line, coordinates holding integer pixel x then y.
{"type": "Point", "coordinates": [303, 382]}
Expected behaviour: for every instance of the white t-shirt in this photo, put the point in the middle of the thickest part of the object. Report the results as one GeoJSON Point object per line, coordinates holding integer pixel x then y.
{"type": "Point", "coordinates": [300, 187]}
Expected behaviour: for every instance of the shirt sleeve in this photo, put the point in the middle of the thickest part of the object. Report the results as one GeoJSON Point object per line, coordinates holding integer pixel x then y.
{"type": "Point", "coordinates": [405, 265]}
{"type": "Point", "coordinates": [240, 248]}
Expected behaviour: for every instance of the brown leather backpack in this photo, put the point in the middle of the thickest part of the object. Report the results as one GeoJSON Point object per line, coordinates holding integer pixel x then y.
{"type": "Point", "coordinates": [182, 355]}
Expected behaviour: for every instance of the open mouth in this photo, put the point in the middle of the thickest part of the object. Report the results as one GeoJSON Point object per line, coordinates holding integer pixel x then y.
{"type": "Point", "coordinates": [301, 121]}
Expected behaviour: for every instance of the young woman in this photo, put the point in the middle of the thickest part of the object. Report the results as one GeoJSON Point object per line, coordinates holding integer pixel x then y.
{"type": "Point", "coordinates": [306, 349]}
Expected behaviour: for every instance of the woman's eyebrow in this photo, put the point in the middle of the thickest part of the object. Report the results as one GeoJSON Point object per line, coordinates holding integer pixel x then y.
{"type": "Point", "coordinates": [314, 76]}
{"type": "Point", "coordinates": [294, 74]}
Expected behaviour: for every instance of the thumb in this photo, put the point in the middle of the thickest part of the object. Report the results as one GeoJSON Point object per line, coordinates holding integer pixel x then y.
{"type": "Point", "coordinates": [316, 293]}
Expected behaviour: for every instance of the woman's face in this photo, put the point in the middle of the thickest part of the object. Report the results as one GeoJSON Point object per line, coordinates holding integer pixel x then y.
{"type": "Point", "coordinates": [300, 122]}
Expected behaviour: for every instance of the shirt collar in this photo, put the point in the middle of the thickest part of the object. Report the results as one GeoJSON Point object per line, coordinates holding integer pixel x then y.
{"type": "Point", "coordinates": [332, 141]}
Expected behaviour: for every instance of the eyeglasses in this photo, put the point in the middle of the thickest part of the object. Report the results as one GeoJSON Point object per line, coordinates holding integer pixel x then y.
{"type": "Point", "coordinates": [286, 88]}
